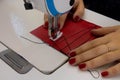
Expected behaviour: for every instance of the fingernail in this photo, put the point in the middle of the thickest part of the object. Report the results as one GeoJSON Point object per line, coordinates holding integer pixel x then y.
{"type": "Point", "coordinates": [46, 25]}
{"type": "Point", "coordinates": [105, 73]}
{"type": "Point", "coordinates": [59, 26]}
{"type": "Point", "coordinates": [76, 19]}
{"type": "Point", "coordinates": [93, 30]}
{"type": "Point", "coordinates": [81, 66]}
{"type": "Point", "coordinates": [72, 54]}
{"type": "Point", "coordinates": [72, 61]}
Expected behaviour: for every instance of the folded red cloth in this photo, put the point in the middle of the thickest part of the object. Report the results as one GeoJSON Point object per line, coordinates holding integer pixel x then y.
{"type": "Point", "coordinates": [74, 35]}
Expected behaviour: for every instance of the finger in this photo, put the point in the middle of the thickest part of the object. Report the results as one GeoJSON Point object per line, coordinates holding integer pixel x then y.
{"type": "Point", "coordinates": [62, 20]}
{"type": "Point", "coordinates": [46, 21]}
{"type": "Point", "coordinates": [89, 45]}
{"type": "Point", "coordinates": [79, 11]}
{"type": "Point", "coordinates": [112, 71]}
{"type": "Point", "coordinates": [113, 45]}
{"type": "Point", "coordinates": [90, 54]}
{"type": "Point", "coordinates": [101, 60]}
{"type": "Point", "coordinates": [45, 17]}
{"type": "Point", "coordinates": [105, 30]}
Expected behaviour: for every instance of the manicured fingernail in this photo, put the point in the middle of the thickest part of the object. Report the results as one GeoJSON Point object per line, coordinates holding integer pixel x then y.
{"type": "Point", "coordinates": [105, 73]}
{"type": "Point", "coordinates": [59, 26]}
{"type": "Point", "coordinates": [46, 24]}
{"type": "Point", "coordinates": [76, 19]}
{"type": "Point", "coordinates": [81, 66]}
{"type": "Point", "coordinates": [72, 61]}
{"type": "Point", "coordinates": [72, 54]}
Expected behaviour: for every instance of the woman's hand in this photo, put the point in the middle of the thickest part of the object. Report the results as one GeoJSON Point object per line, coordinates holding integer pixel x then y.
{"type": "Point", "coordinates": [100, 51]}
{"type": "Point", "coordinates": [78, 13]}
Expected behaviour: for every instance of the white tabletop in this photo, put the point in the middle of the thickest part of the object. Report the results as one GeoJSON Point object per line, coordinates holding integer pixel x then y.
{"type": "Point", "coordinates": [15, 20]}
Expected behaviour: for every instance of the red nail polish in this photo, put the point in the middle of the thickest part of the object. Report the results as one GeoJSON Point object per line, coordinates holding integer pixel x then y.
{"type": "Point", "coordinates": [76, 18]}
{"type": "Point", "coordinates": [105, 73]}
{"type": "Point", "coordinates": [72, 54]}
{"type": "Point", "coordinates": [59, 25]}
{"type": "Point", "coordinates": [72, 61]}
{"type": "Point", "coordinates": [81, 66]}
{"type": "Point", "coordinates": [46, 25]}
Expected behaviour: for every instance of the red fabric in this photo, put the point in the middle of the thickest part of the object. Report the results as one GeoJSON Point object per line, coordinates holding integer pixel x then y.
{"type": "Point", "coordinates": [74, 35]}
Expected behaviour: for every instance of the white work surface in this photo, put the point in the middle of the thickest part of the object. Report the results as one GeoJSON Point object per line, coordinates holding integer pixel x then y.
{"type": "Point", "coordinates": [13, 14]}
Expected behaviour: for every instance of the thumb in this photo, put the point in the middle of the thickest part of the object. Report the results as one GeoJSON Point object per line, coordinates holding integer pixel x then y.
{"type": "Point", "coordinates": [105, 30]}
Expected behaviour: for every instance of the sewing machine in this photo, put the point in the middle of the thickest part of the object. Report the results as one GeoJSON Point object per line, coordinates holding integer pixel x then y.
{"type": "Point", "coordinates": [54, 9]}
{"type": "Point", "coordinates": [16, 23]}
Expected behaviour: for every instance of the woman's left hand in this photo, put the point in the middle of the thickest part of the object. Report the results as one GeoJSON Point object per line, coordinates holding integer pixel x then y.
{"type": "Point", "coordinates": [100, 51]}
{"type": "Point", "coordinates": [78, 12]}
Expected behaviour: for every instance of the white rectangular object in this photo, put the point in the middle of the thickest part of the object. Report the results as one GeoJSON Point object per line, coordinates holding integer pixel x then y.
{"type": "Point", "coordinates": [43, 57]}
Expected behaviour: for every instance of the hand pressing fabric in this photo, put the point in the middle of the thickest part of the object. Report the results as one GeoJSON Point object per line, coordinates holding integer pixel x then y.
{"type": "Point", "coordinates": [100, 51]}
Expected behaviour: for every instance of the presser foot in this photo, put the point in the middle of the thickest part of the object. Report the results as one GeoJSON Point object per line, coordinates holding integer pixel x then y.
{"type": "Point", "coordinates": [57, 36]}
